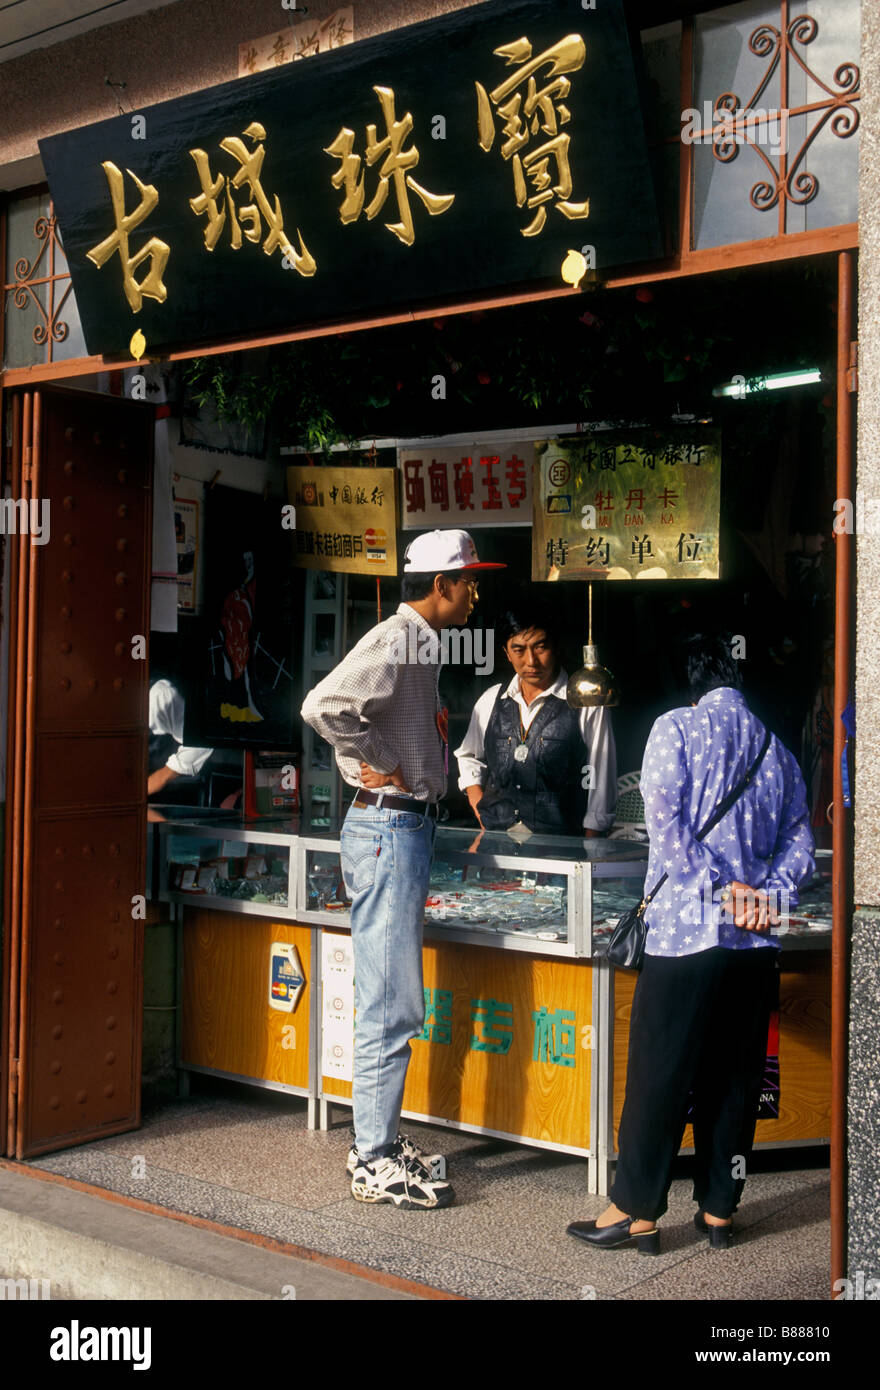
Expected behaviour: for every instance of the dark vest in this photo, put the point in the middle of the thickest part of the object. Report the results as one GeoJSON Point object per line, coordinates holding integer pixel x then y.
{"type": "Point", "coordinates": [544, 791]}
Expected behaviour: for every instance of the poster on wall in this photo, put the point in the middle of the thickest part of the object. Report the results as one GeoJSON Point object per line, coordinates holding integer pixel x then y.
{"type": "Point", "coordinates": [241, 685]}
{"type": "Point", "coordinates": [628, 505]}
{"type": "Point", "coordinates": [768, 1106]}
{"type": "Point", "coordinates": [186, 535]}
{"type": "Point", "coordinates": [346, 518]}
{"type": "Point", "coordinates": [469, 486]}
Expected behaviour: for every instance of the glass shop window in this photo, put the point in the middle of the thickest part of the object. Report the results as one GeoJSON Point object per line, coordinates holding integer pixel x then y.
{"type": "Point", "coordinates": [792, 162]}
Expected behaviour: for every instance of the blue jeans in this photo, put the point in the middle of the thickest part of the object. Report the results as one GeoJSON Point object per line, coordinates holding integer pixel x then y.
{"type": "Point", "coordinates": [386, 864]}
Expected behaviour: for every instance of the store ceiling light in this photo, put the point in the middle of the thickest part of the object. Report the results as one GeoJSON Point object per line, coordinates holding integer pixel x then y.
{"type": "Point", "coordinates": [742, 386]}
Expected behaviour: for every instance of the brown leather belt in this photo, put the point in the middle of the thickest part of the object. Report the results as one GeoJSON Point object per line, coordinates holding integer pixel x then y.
{"type": "Point", "coordinates": [366, 798]}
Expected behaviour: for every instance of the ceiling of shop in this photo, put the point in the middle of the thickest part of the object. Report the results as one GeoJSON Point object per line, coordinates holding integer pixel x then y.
{"type": "Point", "coordinates": [29, 24]}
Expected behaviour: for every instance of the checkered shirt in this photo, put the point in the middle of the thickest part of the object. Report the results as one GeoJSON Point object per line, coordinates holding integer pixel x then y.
{"type": "Point", "coordinates": [380, 705]}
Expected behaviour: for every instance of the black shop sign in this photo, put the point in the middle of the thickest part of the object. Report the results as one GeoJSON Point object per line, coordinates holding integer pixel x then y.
{"type": "Point", "coordinates": [465, 154]}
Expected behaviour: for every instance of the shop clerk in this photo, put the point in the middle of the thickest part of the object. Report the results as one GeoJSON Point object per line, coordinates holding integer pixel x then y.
{"type": "Point", "coordinates": [526, 751]}
{"type": "Point", "coordinates": [169, 759]}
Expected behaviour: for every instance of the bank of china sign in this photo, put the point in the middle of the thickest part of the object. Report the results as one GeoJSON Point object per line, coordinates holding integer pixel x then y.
{"type": "Point", "coordinates": [466, 154]}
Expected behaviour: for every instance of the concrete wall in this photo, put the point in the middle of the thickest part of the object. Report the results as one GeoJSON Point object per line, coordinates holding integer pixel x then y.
{"type": "Point", "coordinates": [864, 1058]}
{"type": "Point", "coordinates": [163, 54]}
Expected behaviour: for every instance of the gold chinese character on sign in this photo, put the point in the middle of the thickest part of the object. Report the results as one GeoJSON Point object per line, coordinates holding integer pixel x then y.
{"type": "Point", "coordinates": [394, 169]}
{"type": "Point", "coordinates": [530, 114]}
{"type": "Point", "coordinates": [216, 202]}
{"type": "Point", "coordinates": [157, 251]}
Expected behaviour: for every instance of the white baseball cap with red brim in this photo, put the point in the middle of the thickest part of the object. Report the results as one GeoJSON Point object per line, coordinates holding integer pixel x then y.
{"type": "Point", "coordinates": [436, 551]}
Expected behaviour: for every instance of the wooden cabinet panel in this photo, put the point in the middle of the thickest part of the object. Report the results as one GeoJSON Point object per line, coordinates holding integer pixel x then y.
{"type": "Point", "coordinates": [228, 1023]}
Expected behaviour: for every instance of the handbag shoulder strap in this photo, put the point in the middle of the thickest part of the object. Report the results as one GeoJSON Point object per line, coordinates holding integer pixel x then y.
{"type": "Point", "coordinates": [737, 792]}
{"type": "Point", "coordinates": [721, 811]}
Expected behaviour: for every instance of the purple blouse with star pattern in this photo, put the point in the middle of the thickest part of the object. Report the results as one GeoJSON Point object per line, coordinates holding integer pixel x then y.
{"type": "Point", "coordinates": [694, 757]}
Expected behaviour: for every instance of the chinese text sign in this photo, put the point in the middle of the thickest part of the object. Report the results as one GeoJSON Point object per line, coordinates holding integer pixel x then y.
{"type": "Point", "coordinates": [475, 485]}
{"type": "Point", "coordinates": [346, 519]}
{"type": "Point", "coordinates": [634, 506]}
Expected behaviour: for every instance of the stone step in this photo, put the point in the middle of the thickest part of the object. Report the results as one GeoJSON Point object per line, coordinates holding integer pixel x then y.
{"type": "Point", "coordinates": [86, 1247]}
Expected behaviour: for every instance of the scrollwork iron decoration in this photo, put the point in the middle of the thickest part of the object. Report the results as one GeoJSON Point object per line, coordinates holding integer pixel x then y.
{"type": "Point", "coordinates": [789, 182]}
{"type": "Point", "coordinates": [50, 328]}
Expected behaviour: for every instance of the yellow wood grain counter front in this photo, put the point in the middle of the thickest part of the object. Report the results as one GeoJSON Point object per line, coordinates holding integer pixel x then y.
{"type": "Point", "coordinates": [228, 1023]}
{"type": "Point", "coordinates": [508, 1044]}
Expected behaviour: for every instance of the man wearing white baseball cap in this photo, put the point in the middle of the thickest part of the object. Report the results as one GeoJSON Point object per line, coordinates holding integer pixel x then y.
{"type": "Point", "coordinates": [380, 709]}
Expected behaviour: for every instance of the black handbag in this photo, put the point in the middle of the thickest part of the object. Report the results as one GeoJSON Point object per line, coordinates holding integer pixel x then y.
{"type": "Point", "coordinates": [626, 947]}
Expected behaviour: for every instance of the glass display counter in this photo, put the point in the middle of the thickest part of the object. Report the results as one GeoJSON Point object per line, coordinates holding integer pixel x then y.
{"type": "Point", "coordinates": [224, 862]}
{"type": "Point", "coordinates": [538, 893]}
{"type": "Point", "coordinates": [534, 893]}
{"type": "Point", "coordinates": [550, 895]}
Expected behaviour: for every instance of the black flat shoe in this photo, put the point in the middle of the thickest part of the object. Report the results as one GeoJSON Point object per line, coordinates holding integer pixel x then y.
{"type": "Point", "coordinates": [613, 1237]}
{"type": "Point", "coordinates": [720, 1237]}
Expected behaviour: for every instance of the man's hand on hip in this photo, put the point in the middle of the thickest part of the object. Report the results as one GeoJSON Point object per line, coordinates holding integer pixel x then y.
{"type": "Point", "coordinates": [374, 780]}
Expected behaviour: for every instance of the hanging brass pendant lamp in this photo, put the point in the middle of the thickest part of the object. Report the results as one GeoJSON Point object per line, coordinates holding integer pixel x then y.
{"type": "Point", "coordinates": [593, 684]}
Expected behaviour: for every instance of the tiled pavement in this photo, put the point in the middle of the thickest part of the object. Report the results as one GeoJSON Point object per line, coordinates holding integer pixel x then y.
{"type": "Point", "coordinates": [244, 1158]}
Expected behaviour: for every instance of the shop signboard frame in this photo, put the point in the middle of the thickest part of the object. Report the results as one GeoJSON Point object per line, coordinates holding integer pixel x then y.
{"type": "Point", "coordinates": [621, 505]}
{"type": "Point", "coordinates": [470, 486]}
{"type": "Point", "coordinates": [346, 519]}
{"type": "Point", "coordinates": [171, 214]}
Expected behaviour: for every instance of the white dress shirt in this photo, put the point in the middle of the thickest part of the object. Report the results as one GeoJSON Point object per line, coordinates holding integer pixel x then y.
{"type": "Point", "coordinates": [596, 731]}
{"type": "Point", "coordinates": [166, 717]}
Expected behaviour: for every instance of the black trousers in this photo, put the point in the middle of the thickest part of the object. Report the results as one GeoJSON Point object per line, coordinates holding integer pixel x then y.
{"type": "Point", "coordinates": [699, 1023]}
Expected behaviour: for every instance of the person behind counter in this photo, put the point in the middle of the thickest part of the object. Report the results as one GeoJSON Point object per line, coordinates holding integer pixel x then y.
{"type": "Point", "coordinates": [380, 709]}
{"type": "Point", "coordinates": [169, 759]}
{"type": "Point", "coordinates": [525, 754]}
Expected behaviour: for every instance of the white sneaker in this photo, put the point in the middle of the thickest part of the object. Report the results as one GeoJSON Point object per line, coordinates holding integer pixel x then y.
{"type": "Point", "coordinates": [433, 1164]}
{"type": "Point", "coordinates": [404, 1182]}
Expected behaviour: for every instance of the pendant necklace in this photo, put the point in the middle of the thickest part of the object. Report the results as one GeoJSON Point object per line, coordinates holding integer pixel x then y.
{"type": "Point", "coordinates": [521, 752]}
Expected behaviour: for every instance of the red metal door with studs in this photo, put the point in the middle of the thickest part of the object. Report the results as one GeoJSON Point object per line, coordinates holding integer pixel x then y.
{"type": "Point", "coordinates": [77, 700]}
